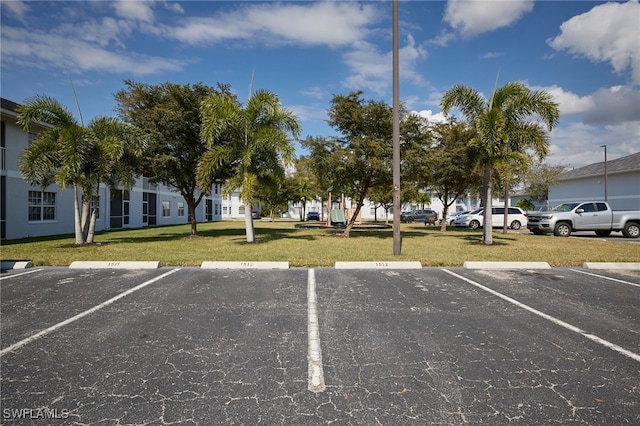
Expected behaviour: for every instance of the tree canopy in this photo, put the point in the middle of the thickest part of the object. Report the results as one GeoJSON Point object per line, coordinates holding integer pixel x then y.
{"type": "Point", "coordinates": [253, 142]}
{"type": "Point", "coordinates": [168, 115]}
{"type": "Point", "coordinates": [512, 120]}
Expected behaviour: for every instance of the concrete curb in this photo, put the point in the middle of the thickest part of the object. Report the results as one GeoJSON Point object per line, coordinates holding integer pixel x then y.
{"type": "Point", "coordinates": [244, 265]}
{"type": "Point", "coordinates": [506, 265]}
{"type": "Point", "coordinates": [15, 264]}
{"type": "Point", "coordinates": [630, 266]}
{"type": "Point", "coordinates": [378, 265]}
{"type": "Point", "coordinates": [114, 265]}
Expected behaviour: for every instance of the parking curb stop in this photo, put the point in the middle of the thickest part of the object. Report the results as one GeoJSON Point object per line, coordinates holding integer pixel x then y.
{"type": "Point", "coordinates": [612, 265]}
{"type": "Point", "coordinates": [15, 264]}
{"type": "Point", "coordinates": [244, 265]}
{"type": "Point", "coordinates": [378, 265]}
{"type": "Point", "coordinates": [114, 265]}
{"type": "Point", "coordinates": [506, 265]}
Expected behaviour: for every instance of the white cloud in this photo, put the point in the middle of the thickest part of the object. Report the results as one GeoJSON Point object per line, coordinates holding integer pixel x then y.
{"type": "Point", "coordinates": [608, 32]}
{"type": "Point", "coordinates": [579, 144]}
{"type": "Point", "coordinates": [569, 103]}
{"type": "Point", "coordinates": [314, 92]}
{"type": "Point", "coordinates": [431, 117]}
{"type": "Point", "coordinates": [50, 49]}
{"type": "Point", "coordinates": [18, 9]}
{"type": "Point", "coordinates": [324, 23]}
{"type": "Point", "coordinates": [472, 17]}
{"type": "Point", "coordinates": [613, 105]}
{"type": "Point", "coordinates": [134, 10]}
{"type": "Point", "coordinates": [372, 69]}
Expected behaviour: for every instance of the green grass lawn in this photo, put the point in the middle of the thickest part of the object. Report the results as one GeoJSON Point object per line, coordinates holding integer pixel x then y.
{"type": "Point", "coordinates": [281, 241]}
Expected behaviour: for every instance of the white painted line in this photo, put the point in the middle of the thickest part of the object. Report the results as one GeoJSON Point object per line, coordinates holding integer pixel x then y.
{"type": "Point", "coordinates": [15, 264]}
{"type": "Point", "coordinates": [114, 265]}
{"type": "Point", "coordinates": [378, 265]}
{"type": "Point", "coordinates": [19, 274]}
{"type": "Point", "coordinates": [244, 265]}
{"type": "Point", "coordinates": [314, 350]}
{"type": "Point", "coordinates": [554, 320]}
{"type": "Point", "coordinates": [506, 265]}
{"type": "Point", "coordinates": [605, 278]}
{"type": "Point", "coordinates": [83, 314]}
{"type": "Point", "coordinates": [612, 265]}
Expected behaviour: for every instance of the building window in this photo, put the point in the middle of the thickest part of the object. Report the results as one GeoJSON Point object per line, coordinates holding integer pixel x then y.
{"type": "Point", "coordinates": [96, 203]}
{"type": "Point", "coordinates": [42, 206]}
{"type": "Point", "coordinates": [241, 210]}
{"type": "Point", "coordinates": [180, 208]}
{"type": "Point", "coordinates": [225, 210]}
{"type": "Point", "coordinates": [216, 209]}
{"type": "Point", "coordinates": [166, 208]}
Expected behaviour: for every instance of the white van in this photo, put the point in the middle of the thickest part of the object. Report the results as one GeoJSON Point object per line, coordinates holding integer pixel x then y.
{"type": "Point", "coordinates": [474, 220]}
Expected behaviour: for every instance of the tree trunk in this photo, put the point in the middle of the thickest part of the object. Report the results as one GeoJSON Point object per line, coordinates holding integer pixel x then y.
{"type": "Point", "coordinates": [487, 228]}
{"type": "Point", "coordinates": [93, 217]}
{"type": "Point", "coordinates": [191, 204]}
{"type": "Point", "coordinates": [78, 223]}
{"type": "Point", "coordinates": [248, 222]}
{"type": "Point", "coordinates": [351, 221]}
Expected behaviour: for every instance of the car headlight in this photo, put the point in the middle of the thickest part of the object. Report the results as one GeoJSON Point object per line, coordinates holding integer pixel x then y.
{"type": "Point", "coordinates": [547, 217]}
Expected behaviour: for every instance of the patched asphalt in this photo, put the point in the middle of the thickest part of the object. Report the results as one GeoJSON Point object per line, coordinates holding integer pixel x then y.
{"type": "Point", "coordinates": [431, 346]}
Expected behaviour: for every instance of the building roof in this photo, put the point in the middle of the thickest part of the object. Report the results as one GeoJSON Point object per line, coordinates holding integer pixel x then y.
{"type": "Point", "coordinates": [8, 105]}
{"type": "Point", "coordinates": [619, 165]}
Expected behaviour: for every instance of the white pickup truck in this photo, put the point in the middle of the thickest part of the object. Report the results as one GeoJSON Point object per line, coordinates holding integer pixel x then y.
{"type": "Point", "coordinates": [595, 216]}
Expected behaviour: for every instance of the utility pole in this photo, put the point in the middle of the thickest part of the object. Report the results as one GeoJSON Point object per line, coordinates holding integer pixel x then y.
{"type": "Point", "coordinates": [397, 238]}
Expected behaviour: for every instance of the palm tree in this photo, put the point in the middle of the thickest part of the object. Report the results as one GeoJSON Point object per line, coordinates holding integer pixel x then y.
{"type": "Point", "coordinates": [59, 154]}
{"type": "Point", "coordinates": [507, 125]}
{"type": "Point", "coordinates": [67, 153]}
{"type": "Point", "coordinates": [115, 149]}
{"type": "Point", "coordinates": [254, 141]}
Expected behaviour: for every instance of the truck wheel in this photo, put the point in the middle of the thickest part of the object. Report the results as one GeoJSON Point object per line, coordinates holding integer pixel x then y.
{"type": "Point", "coordinates": [631, 230]}
{"type": "Point", "coordinates": [562, 229]}
{"type": "Point", "coordinates": [474, 224]}
{"type": "Point", "coordinates": [515, 224]}
{"type": "Point", "coordinates": [603, 233]}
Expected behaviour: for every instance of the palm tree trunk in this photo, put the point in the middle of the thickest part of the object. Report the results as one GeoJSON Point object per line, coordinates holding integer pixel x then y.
{"type": "Point", "coordinates": [487, 228]}
{"type": "Point", "coordinates": [248, 222]}
{"type": "Point", "coordinates": [94, 216]}
{"type": "Point", "coordinates": [76, 208]}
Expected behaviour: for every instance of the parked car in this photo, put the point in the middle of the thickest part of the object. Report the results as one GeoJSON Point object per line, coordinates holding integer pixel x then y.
{"type": "Point", "coordinates": [475, 219]}
{"type": "Point", "coordinates": [426, 216]}
{"type": "Point", "coordinates": [255, 214]}
{"type": "Point", "coordinates": [313, 216]}
{"type": "Point", "coordinates": [594, 216]}
{"type": "Point", "coordinates": [451, 218]}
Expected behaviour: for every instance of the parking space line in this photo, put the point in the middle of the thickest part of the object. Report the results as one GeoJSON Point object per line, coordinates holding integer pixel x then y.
{"type": "Point", "coordinates": [314, 354]}
{"type": "Point", "coordinates": [82, 314]}
{"type": "Point", "coordinates": [20, 274]}
{"type": "Point", "coordinates": [554, 320]}
{"type": "Point", "coordinates": [606, 278]}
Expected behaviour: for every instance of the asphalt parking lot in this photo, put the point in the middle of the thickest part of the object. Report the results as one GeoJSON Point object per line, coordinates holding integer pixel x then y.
{"type": "Point", "coordinates": [437, 346]}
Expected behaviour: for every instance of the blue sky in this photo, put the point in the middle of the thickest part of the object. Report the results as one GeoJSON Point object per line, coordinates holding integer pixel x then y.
{"type": "Point", "coordinates": [585, 53]}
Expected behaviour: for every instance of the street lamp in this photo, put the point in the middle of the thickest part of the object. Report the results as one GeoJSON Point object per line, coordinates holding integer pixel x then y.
{"type": "Point", "coordinates": [605, 173]}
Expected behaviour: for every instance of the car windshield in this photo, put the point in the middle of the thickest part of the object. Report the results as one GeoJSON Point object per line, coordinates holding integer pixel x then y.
{"type": "Point", "coordinates": [566, 207]}
{"type": "Point", "coordinates": [477, 211]}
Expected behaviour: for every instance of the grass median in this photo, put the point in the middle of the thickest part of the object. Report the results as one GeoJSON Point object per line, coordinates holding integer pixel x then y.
{"type": "Point", "coordinates": [282, 241]}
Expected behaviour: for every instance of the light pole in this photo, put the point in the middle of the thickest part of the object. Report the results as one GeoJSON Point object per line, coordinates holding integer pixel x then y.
{"type": "Point", "coordinates": [605, 174]}
{"type": "Point", "coordinates": [397, 238]}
